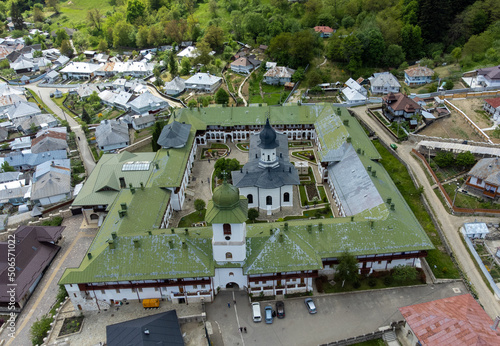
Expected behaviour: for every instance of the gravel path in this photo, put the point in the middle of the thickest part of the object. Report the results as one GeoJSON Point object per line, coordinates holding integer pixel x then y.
{"type": "Point", "coordinates": [450, 223]}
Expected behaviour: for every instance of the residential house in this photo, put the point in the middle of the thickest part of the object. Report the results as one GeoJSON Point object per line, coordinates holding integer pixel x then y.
{"type": "Point", "coordinates": [162, 329]}
{"type": "Point", "coordinates": [58, 93]}
{"type": "Point", "coordinates": [175, 87]}
{"type": "Point", "coordinates": [48, 140]}
{"type": "Point", "coordinates": [22, 110]}
{"type": "Point", "coordinates": [20, 143]}
{"type": "Point", "coordinates": [133, 68]}
{"type": "Point", "coordinates": [4, 134]}
{"type": "Point", "coordinates": [69, 32]}
{"type": "Point", "coordinates": [36, 122]}
{"type": "Point", "coordinates": [58, 165]}
{"type": "Point", "coordinates": [188, 52]}
{"type": "Point", "coordinates": [22, 65]}
{"type": "Point", "coordinates": [418, 75]}
{"type": "Point", "coordinates": [101, 58]}
{"type": "Point", "coordinates": [271, 65]}
{"type": "Point", "coordinates": [204, 82]}
{"type": "Point", "coordinates": [456, 320]}
{"type": "Point", "coordinates": [34, 251]}
{"type": "Point", "coordinates": [174, 135]}
{"type": "Point", "coordinates": [399, 106]}
{"type": "Point", "coordinates": [51, 77]}
{"type": "Point", "coordinates": [352, 96]}
{"type": "Point", "coordinates": [489, 76]}
{"type": "Point", "coordinates": [89, 54]}
{"type": "Point", "coordinates": [484, 177]}
{"type": "Point", "coordinates": [354, 85]}
{"type": "Point", "coordinates": [492, 106]}
{"type": "Point", "coordinates": [16, 192]}
{"type": "Point", "coordinates": [324, 31]}
{"type": "Point", "coordinates": [53, 187]}
{"type": "Point", "coordinates": [147, 103]}
{"type": "Point", "coordinates": [278, 75]}
{"type": "Point", "coordinates": [24, 162]}
{"type": "Point", "coordinates": [245, 65]}
{"type": "Point", "coordinates": [384, 83]}
{"type": "Point", "coordinates": [111, 135]}
{"type": "Point", "coordinates": [7, 177]}
{"type": "Point", "coordinates": [116, 99]}
{"type": "Point", "coordinates": [142, 121]}
{"type": "Point", "coordinates": [475, 230]}
{"type": "Point", "coordinates": [85, 90]}
{"type": "Point", "coordinates": [6, 101]}
{"type": "Point", "coordinates": [79, 70]}
{"type": "Point", "coordinates": [61, 61]}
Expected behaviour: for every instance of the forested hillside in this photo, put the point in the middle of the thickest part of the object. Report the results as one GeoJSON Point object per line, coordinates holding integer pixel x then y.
{"type": "Point", "coordinates": [370, 34]}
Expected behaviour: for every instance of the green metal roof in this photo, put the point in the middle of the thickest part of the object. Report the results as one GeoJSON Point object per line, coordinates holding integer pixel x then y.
{"type": "Point", "coordinates": [102, 186]}
{"type": "Point", "coordinates": [238, 214]}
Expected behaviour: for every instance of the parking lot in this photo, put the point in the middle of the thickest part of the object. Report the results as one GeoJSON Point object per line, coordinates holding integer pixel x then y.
{"type": "Point", "coordinates": [339, 316]}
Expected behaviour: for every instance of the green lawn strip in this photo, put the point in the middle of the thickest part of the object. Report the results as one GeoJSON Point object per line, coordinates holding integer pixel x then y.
{"type": "Point", "coordinates": [441, 264]}
{"type": "Point", "coordinates": [322, 193]}
{"type": "Point", "coordinates": [376, 283]}
{"type": "Point", "coordinates": [300, 155]}
{"type": "Point", "coordinates": [488, 262]}
{"type": "Point", "coordinates": [468, 201]}
{"type": "Point", "coordinates": [243, 146]}
{"type": "Point", "coordinates": [299, 144]}
{"type": "Point", "coordinates": [314, 213]}
{"type": "Point", "coordinates": [95, 153]}
{"type": "Point", "coordinates": [424, 168]}
{"type": "Point", "coordinates": [477, 267]}
{"type": "Point", "coordinates": [194, 217]}
{"type": "Point", "coordinates": [60, 103]}
{"type": "Point", "coordinates": [40, 102]}
{"type": "Point", "coordinates": [219, 146]}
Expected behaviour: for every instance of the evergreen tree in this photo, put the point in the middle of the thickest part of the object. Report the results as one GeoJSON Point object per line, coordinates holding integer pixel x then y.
{"type": "Point", "coordinates": [85, 116]}
{"type": "Point", "coordinates": [172, 64]}
{"type": "Point", "coordinates": [347, 269]}
{"type": "Point", "coordinates": [156, 134]}
{"type": "Point", "coordinates": [221, 97]}
{"type": "Point", "coordinates": [17, 16]}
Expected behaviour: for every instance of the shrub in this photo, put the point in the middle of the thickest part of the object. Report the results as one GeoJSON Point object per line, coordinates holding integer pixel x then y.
{"type": "Point", "coordinates": [356, 284]}
{"type": "Point", "coordinates": [388, 280]}
{"type": "Point", "coordinates": [55, 221]}
{"type": "Point", "coordinates": [372, 282]}
{"type": "Point", "coordinates": [39, 329]}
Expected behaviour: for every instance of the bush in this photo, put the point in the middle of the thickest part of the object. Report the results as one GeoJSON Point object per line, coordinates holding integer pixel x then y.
{"type": "Point", "coordinates": [372, 282]}
{"type": "Point", "coordinates": [55, 221]}
{"type": "Point", "coordinates": [388, 280]}
{"type": "Point", "coordinates": [356, 284]}
{"type": "Point", "coordinates": [39, 329]}
{"type": "Point", "coordinates": [320, 282]}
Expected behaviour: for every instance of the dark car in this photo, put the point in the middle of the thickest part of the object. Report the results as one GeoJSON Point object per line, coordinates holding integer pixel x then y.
{"type": "Point", "coordinates": [280, 309]}
{"type": "Point", "coordinates": [310, 305]}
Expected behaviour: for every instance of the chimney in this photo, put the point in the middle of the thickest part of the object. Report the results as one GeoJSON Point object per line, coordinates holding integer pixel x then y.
{"type": "Point", "coordinates": [369, 168]}
{"type": "Point", "coordinates": [146, 331]}
{"type": "Point", "coordinates": [111, 244]}
{"type": "Point", "coordinates": [89, 255]}
{"type": "Point", "coordinates": [320, 226]}
{"type": "Point", "coordinates": [348, 139]}
{"type": "Point", "coordinates": [122, 213]}
{"type": "Point", "coordinates": [124, 206]}
{"type": "Point", "coordinates": [132, 189]}
{"type": "Point", "coordinates": [372, 223]}
{"type": "Point", "coordinates": [346, 122]}
{"type": "Point", "coordinates": [389, 200]}
{"type": "Point", "coordinates": [186, 231]}
{"type": "Point", "coordinates": [271, 231]}
{"type": "Point", "coordinates": [495, 323]}
{"type": "Point", "coordinates": [137, 244]}
{"type": "Point", "coordinates": [171, 244]}
{"type": "Point", "coordinates": [113, 235]}
{"type": "Point", "coordinates": [374, 173]}
{"type": "Point", "coordinates": [280, 238]}
{"type": "Point", "coordinates": [184, 245]}
{"type": "Point", "coordinates": [309, 228]}
{"type": "Point", "coordinates": [142, 185]}
{"type": "Point", "coordinates": [393, 206]}
{"type": "Point", "coordinates": [173, 231]}
{"type": "Point", "coordinates": [286, 226]}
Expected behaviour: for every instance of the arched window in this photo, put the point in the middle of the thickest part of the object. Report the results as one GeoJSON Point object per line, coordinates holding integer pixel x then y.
{"type": "Point", "coordinates": [229, 255]}
{"type": "Point", "coordinates": [268, 158]}
{"type": "Point", "coordinates": [250, 199]}
{"type": "Point", "coordinates": [227, 229]}
{"type": "Point", "coordinates": [286, 197]}
{"type": "Point", "coordinates": [231, 274]}
{"type": "Point", "coordinates": [94, 216]}
{"type": "Point", "coordinates": [269, 200]}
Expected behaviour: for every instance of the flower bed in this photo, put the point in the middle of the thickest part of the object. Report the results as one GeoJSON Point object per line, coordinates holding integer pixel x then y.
{"type": "Point", "coordinates": [71, 325]}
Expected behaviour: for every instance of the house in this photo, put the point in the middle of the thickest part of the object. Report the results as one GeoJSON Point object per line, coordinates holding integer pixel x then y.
{"type": "Point", "coordinates": [116, 99]}
{"type": "Point", "coordinates": [268, 178]}
{"type": "Point", "coordinates": [484, 177]}
{"type": "Point", "coordinates": [89, 54]}
{"type": "Point", "coordinates": [174, 135]}
{"type": "Point", "coordinates": [24, 162]}
{"type": "Point", "coordinates": [7, 177]}
{"type": "Point", "coordinates": [51, 76]}
{"type": "Point", "coordinates": [418, 75]}
{"type": "Point", "coordinates": [127, 260]}
{"type": "Point", "coordinates": [4, 134]}
{"type": "Point", "coordinates": [352, 96]}
{"type": "Point", "coordinates": [162, 329]}
{"type": "Point", "coordinates": [492, 106]}
{"type": "Point", "coordinates": [475, 230]}
{"type": "Point", "coordinates": [22, 65]}
{"type": "Point", "coordinates": [324, 31]}
{"type": "Point", "coordinates": [34, 251]}
{"type": "Point", "coordinates": [457, 320]}
{"type": "Point", "coordinates": [278, 75]}
{"type": "Point", "coordinates": [61, 61]}
{"type": "Point", "coordinates": [79, 70]}
{"type": "Point", "coordinates": [147, 103]}
{"type": "Point", "coordinates": [15, 192]}
{"type": "Point", "coordinates": [58, 93]}
{"type": "Point", "coordinates": [69, 32]}
{"type": "Point", "coordinates": [85, 90]}
{"type": "Point", "coordinates": [188, 52]}
{"type": "Point", "coordinates": [244, 65]}
{"type": "Point", "coordinates": [22, 110]}
{"type": "Point", "coordinates": [354, 85]}
{"type": "Point", "coordinates": [270, 65]}
{"type": "Point", "coordinates": [33, 123]}
{"type": "Point", "coordinates": [384, 83]}
{"type": "Point", "coordinates": [101, 58]}
{"type": "Point", "coordinates": [175, 87]}
{"type": "Point", "coordinates": [133, 68]}
{"type": "Point", "coordinates": [399, 106]}
{"type": "Point", "coordinates": [488, 76]}
{"type": "Point", "coordinates": [141, 122]}
{"type": "Point", "coordinates": [20, 143]}
{"type": "Point", "coordinates": [6, 101]}
{"type": "Point", "coordinates": [62, 166]}
{"type": "Point", "coordinates": [203, 82]}
{"type": "Point", "coordinates": [51, 188]}
{"type": "Point", "coordinates": [111, 135]}
{"type": "Point", "coordinates": [48, 140]}
{"type": "Point", "coordinates": [263, 48]}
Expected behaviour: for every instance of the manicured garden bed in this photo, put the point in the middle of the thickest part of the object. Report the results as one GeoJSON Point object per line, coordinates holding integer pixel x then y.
{"type": "Point", "coordinates": [307, 155]}
{"type": "Point", "coordinates": [190, 219]}
{"type": "Point", "coordinates": [71, 325]}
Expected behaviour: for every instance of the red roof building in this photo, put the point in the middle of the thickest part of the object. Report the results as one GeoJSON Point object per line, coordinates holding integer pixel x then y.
{"type": "Point", "coordinates": [458, 320]}
{"type": "Point", "coordinates": [324, 31]}
{"type": "Point", "coordinates": [492, 106]}
{"type": "Point", "coordinates": [399, 106]}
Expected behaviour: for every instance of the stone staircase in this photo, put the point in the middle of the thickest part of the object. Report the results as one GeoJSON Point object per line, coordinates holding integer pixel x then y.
{"type": "Point", "coordinates": [390, 338]}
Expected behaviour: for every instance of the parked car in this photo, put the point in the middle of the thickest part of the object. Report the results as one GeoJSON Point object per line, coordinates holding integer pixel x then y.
{"type": "Point", "coordinates": [268, 313]}
{"type": "Point", "coordinates": [256, 312]}
{"type": "Point", "coordinates": [310, 305]}
{"type": "Point", "coordinates": [280, 309]}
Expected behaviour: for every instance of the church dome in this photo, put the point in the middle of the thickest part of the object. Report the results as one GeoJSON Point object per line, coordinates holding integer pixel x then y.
{"type": "Point", "coordinates": [226, 196]}
{"type": "Point", "coordinates": [268, 137]}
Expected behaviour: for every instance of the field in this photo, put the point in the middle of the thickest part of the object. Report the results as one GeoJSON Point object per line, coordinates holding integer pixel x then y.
{"type": "Point", "coordinates": [473, 107]}
{"type": "Point", "coordinates": [76, 10]}
{"type": "Point", "coordinates": [452, 127]}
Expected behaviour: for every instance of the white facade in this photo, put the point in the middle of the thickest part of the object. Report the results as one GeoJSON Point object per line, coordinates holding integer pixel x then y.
{"type": "Point", "coordinates": [229, 242]}
{"type": "Point", "coordinates": [177, 197]}
{"type": "Point", "coordinates": [279, 197]}
{"type": "Point", "coordinates": [225, 276]}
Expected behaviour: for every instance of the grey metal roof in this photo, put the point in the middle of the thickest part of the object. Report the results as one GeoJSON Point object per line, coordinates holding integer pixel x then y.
{"type": "Point", "coordinates": [202, 78]}
{"type": "Point", "coordinates": [25, 123]}
{"type": "Point", "coordinates": [475, 228]}
{"type": "Point", "coordinates": [48, 144]}
{"type": "Point", "coordinates": [177, 85]}
{"type": "Point", "coordinates": [174, 135]}
{"type": "Point", "coordinates": [61, 166]}
{"type": "Point", "coordinates": [146, 99]}
{"type": "Point", "coordinates": [459, 148]}
{"type": "Point", "coordinates": [22, 109]}
{"type": "Point", "coordinates": [487, 170]}
{"type": "Point", "coordinates": [267, 178]}
{"type": "Point", "coordinates": [5, 177]}
{"type": "Point", "coordinates": [51, 184]}
{"type": "Point", "coordinates": [163, 329]}
{"type": "Point", "coordinates": [145, 119]}
{"type": "Point", "coordinates": [9, 193]}
{"type": "Point", "coordinates": [353, 185]}
{"type": "Point", "coordinates": [384, 79]}
{"type": "Point", "coordinates": [34, 159]}
{"type": "Point", "coordinates": [111, 132]}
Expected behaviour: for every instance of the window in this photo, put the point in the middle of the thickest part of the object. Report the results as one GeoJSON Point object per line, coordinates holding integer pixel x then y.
{"type": "Point", "coordinates": [140, 290]}
{"type": "Point", "coordinates": [250, 199]}
{"type": "Point", "coordinates": [133, 290]}
{"type": "Point", "coordinates": [94, 216]}
{"type": "Point", "coordinates": [227, 229]}
{"type": "Point", "coordinates": [286, 197]}
{"type": "Point", "coordinates": [231, 274]}
{"type": "Point", "coordinates": [103, 291]}
{"type": "Point", "coordinates": [202, 286]}
{"type": "Point", "coordinates": [117, 290]}
{"type": "Point", "coordinates": [229, 255]}
{"type": "Point", "coordinates": [195, 287]}
{"type": "Point", "coordinates": [269, 200]}
{"type": "Point", "coordinates": [268, 158]}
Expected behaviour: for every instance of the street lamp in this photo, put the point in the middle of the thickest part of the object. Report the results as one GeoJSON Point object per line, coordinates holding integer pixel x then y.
{"type": "Point", "coordinates": [455, 196]}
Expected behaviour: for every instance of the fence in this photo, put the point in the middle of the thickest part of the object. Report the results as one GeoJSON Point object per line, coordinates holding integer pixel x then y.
{"type": "Point", "coordinates": [369, 336]}
{"type": "Point", "coordinates": [479, 262]}
{"type": "Point", "coordinates": [470, 122]}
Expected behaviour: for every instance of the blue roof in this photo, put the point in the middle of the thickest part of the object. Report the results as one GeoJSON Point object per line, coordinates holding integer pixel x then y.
{"type": "Point", "coordinates": [34, 159]}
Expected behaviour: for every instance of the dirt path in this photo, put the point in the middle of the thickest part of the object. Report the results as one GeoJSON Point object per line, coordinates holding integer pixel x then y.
{"type": "Point", "coordinates": [449, 223]}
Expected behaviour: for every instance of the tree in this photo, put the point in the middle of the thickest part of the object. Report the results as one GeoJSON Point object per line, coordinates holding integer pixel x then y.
{"type": "Point", "coordinates": [39, 329]}
{"type": "Point", "coordinates": [403, 273]}
{"type": "Point", "coordinates": [199, 205]}
{"type": "Point", "coordinates": [66, 48]}
{"type": "Point", "coordinates": [444, 159]}
{"type": "Point", "coordinates": [394, 55]}
{"type": "Point", "coordinates": [103, 46]}
{"type": "Point", "coordinates": [192, 103]}
{"type": "Point", "coordinates": [37, 54]}
{"type": "Point", "coordinates": [185, 66]}
{"type": "Point", "coordinates": [141, 39]}
{"type": "Point", "coordinates": [352, 51]}
{"type": "Point", "coordinates": [456, 53]}
{"type": "Point", "coordinates": [226, 166]}
{"type": "Point", "coordinates": [16, 15]}
{"type": "Point", "coordinates": [95, 18]}
{"type": "Point", "coordinates": [158, 127]}
{"type": "Point", "coordinates": [214, 36]}
{"type": "Point", "coordinates": [347, 269]}
{"type": "Point", "coordinates": [221, 97]}
{"type": "Point", "coordinates": [135, 10]}
{"type": "Point", "coordinates": [465, 159]}
{"type": "Point", "coordinates": [254, 24]}
{"type": "Point", "coordinates": [38, 13]}
{"type": "Point", "coordinates": [411, 39]}
{"type": "Point", "coordinates": [61, 35]}
{"type": "Point", "coordinates": [203, 53]}
{"type": "Point", "coordinates": [6, 167]}
{"type": "Point", "coordinates": [172, 64]}
{"type": "Point", "coordinates": [374, 47]}
{"type": "Point", "coordinates": [298, 75]}
{"type": "Point", "coordinates": [123, 35]}
{"type": "Point", "coordinates": [54, 4]}
{"type": "Point", "coordinates": [253, 214]}
{"type": "Point", "coordinates": [85, 116]}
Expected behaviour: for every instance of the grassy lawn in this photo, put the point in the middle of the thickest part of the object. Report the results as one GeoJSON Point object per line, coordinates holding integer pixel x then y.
{"type": "Point", "coordinates": [59, 101]}
{"type": "Point", "coordinates": [40, 102]}
{"type": "Point", "coordinates": [468, 201]}
{"type": "Point", "coordinates": [192, 218]}
{"type": "Point", "coordinates": [243, 146]}
{"type": "Point", "coordinates": [141, 134]}
{"type": "Point", "coordinates": [299, 144]}
{"type": "Point", "coordinates": [488, 262]}
{"type": "Point", "coordinates": [76, 10]}
{"type": "Point", "coordinates": [441, 264]}
{"type": "Point", "coordinates": [325, 212]}
{"type": "Point", "coordinates": [307, 155]}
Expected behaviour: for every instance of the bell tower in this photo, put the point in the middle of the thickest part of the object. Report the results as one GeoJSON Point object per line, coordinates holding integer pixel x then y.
{"type": "Point", "coordinates": [268, 145]}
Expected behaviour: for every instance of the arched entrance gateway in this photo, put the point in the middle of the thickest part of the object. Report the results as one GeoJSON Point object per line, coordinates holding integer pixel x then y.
{"type": "Point", "coordinates": [233, 285]}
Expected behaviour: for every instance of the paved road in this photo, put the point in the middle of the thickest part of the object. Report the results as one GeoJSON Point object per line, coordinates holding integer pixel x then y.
{"type": "Point", "coordinates": [449, 223]}
{"type": "Point", "coordinates": [83, 147]}
{"type": "Point", "coordinates": [339, 316]}
{"type": "Point", "coordinates": [74, 245]}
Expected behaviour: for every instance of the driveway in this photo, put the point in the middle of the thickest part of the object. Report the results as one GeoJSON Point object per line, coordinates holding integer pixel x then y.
{"type": "Point", "coordinates": [339, 316]}
{"type": "Point", "coordinates": [449, 223]}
